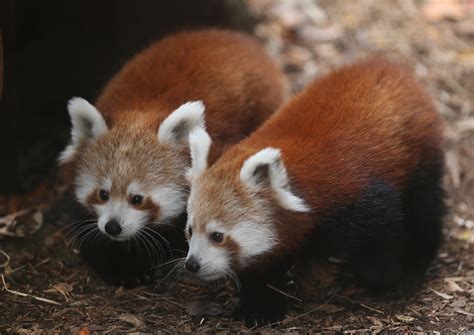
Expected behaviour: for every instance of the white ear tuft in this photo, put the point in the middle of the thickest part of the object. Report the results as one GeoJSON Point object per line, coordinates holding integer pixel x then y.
{"type": "Point", "coordinates": [199, 143]}
{"type": "Point", "coordinates": [176, 127]}
{"type": "Point", "coordinates": [266, 168]}
{"type": "Point", "coordinates": [87, 123]}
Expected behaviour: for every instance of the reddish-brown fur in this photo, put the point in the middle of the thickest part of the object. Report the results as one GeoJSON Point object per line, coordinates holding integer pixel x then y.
{"type": "Point", "coordinates": [230, 72]}
{"type": "Point", "coordinates": [368, 120]}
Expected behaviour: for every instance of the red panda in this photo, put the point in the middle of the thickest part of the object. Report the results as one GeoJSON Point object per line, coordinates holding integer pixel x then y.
{"type": "Point", "coordinates": [129, 153]}
{"type": "Point", "coordinates": [350, 168]}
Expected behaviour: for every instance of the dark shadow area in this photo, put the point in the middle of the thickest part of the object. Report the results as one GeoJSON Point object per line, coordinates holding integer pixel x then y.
{"type": "Point", "coordinates": [54, 50]}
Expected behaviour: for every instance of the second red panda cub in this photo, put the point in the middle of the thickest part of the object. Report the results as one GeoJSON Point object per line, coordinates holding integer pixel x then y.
{"type": "Point", "coordinates": [350, 168]}
{"type": "Point", "coordinates": [129, 152]}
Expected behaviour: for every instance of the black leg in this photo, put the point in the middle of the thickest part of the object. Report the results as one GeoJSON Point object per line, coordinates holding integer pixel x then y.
{"type": "Point", "coordinates": [369, 236]}
{"type": "Point", "coordinates": [387, 238]}
{"type": "Point", "coordinates": [259, 303]}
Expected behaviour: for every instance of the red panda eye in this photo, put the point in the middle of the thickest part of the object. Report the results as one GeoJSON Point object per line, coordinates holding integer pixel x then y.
{"type": "Point", "coordinates": [190, 231]}
{"type": "Point", "coordinates": [136, 200]}
{"type": "Point", "coordinates": [104, 195]}
{"type": "Point", "coordinates": [217, 237]}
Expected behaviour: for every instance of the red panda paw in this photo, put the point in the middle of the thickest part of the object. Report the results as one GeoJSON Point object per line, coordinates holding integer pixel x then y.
{"type": "Point", "coordinates": [262, 309]}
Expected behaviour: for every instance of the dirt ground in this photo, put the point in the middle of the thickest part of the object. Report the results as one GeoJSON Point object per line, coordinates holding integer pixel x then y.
{"type": "Point", "coordinates": [45, 287]}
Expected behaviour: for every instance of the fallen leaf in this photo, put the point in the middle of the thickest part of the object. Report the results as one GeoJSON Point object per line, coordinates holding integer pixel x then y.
{"type": "Point", "coordinates": [442, 295]}
{"type": "Point", "coordinates": [453, 287]}
{"type": "Point", "coordinates": [62, 288]}
{"type": "Point", "coordinates": [133, 320]}
{"type": "Point", "coordinates": [404, 318]}
{"type": "Point", "coordinates": [83, 331]}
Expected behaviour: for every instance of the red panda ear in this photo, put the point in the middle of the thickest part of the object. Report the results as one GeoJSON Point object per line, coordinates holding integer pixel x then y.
{"type": "Point", "coordinates": [175, 129]}
{"type": "Point", "coordinates": [266, 169]}
{"type": "Point", "coordinates": [87, 124]}
{"type": "Point", "coordinates": [199, 143]}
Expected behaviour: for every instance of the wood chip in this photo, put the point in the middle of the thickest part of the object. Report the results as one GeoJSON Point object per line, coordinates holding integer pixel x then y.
{"type": "Point", "coordinates": [133, 320]}
{"type": "Point", "coordinates": [442, 295]}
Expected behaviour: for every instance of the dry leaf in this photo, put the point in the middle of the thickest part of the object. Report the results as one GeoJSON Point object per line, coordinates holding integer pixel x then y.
{"type": "Point", "coordinates": [453, 287]}
{"type": "Point", "coordinates": [404, 318]}
{"type": "Point", "coordinates": [442, 295]}
{"type": "Point", "coordinates": [83, 331]}
{"type": "Point", "coordinates": [133, 320]}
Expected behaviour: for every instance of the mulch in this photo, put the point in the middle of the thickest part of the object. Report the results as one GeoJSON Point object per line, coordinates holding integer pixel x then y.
{"type": "Point", "coordinates": [46, 288]}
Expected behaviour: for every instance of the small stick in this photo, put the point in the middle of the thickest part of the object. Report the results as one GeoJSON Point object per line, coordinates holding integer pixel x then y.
{"type": "Point", "coordinates": [284, 293]}
{"type": "Point", "coordinates": [21, 294]}
{"type": "Point", "coordinates": [363, 305]}
{"type": "Point", "coordinates": [7, 256]}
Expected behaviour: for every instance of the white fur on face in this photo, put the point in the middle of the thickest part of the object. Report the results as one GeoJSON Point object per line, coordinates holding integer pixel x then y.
{"type": "Point", "coordinates": [253, 239]}
{"type": "Point", "coordinates": [214, 260]}
{"type": "Point", "coordinates": [171, 199]}
{"type": "Point", "coordinates": [277, 176]}
{"type": "Point", "coordinates": [87, 123]}
{"type": "Point", "coordinates": [174, 130]}
{"type": "Point", "coordinates": [135, 188]}
{"type": "Point", "coordinates": [131, 220]}
{"type": "Point", "coordinates": [86, 183]}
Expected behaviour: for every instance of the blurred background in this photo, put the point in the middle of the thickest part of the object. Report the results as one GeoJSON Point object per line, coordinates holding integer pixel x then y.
{"type": "Point", "coordinates": [52, 50]}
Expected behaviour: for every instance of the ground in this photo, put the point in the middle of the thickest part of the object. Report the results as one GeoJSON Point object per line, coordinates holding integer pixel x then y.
{"type": "Point", "coordinates": [45, 287]}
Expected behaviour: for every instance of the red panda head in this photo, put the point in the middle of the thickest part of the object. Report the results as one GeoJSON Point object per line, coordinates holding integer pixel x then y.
{"type": "Point", "coordinates": [231, 211]}
{"type": "Point", "coordinates": [131, 177]}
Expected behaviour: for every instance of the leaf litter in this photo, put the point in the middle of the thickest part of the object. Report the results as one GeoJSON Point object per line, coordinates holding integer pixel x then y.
{"type": "Point", "coordinates": [309, 38]}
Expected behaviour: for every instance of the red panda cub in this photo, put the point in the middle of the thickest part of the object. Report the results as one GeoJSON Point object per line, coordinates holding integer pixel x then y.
{"type": "Point", "coordinates": [129, 152]}
{"type": "Point", "coordinates": [350, 168]}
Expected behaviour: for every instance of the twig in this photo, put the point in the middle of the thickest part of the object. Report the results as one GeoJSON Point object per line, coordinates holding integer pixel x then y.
{"type": "Point", "coordinates": [284, 293]}
{"type": "Point", "coordinates": [286, 321]}
{"type": "Point", "coordinates": [362, 305]}
{"type": "Point", "coordinates": [7, 256]}
{"type": "Point", "coordinates": [21, 294]}
{"type": "Point", "coordinates": [371, 308]}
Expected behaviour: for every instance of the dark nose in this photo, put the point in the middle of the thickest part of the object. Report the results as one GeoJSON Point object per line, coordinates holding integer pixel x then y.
{"type": "Point", "coordinates": [113, 227]}
{"type": "Point", "coordinates": [192, 265]}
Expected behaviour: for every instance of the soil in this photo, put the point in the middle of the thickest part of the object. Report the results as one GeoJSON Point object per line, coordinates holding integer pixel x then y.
{"type": "Point", "coordinates": [46, 288]}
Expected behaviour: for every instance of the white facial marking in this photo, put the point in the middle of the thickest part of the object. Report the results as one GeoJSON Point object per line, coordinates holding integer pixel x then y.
{"type": "Point", "coordinates": [106, 184]}
{"type": "Point", "coordinates": [176, 127]}
{"type": "Point", "coordinates": [87, 123]}
{"type": "Point", "coordinates": [253, 239]}
{"type": "Point", "coordinates": [171, 199]}
{"type": "Point", "coordinates": [130, 219]}
{"type": "Point", "coordinates": [135, 188]}
{"type": "Point", "coordinates": [85, 185]}
{"type": "Point", "coordinates": [277, 175]}
{"type": "Point", "coordinates": [213, 259]}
